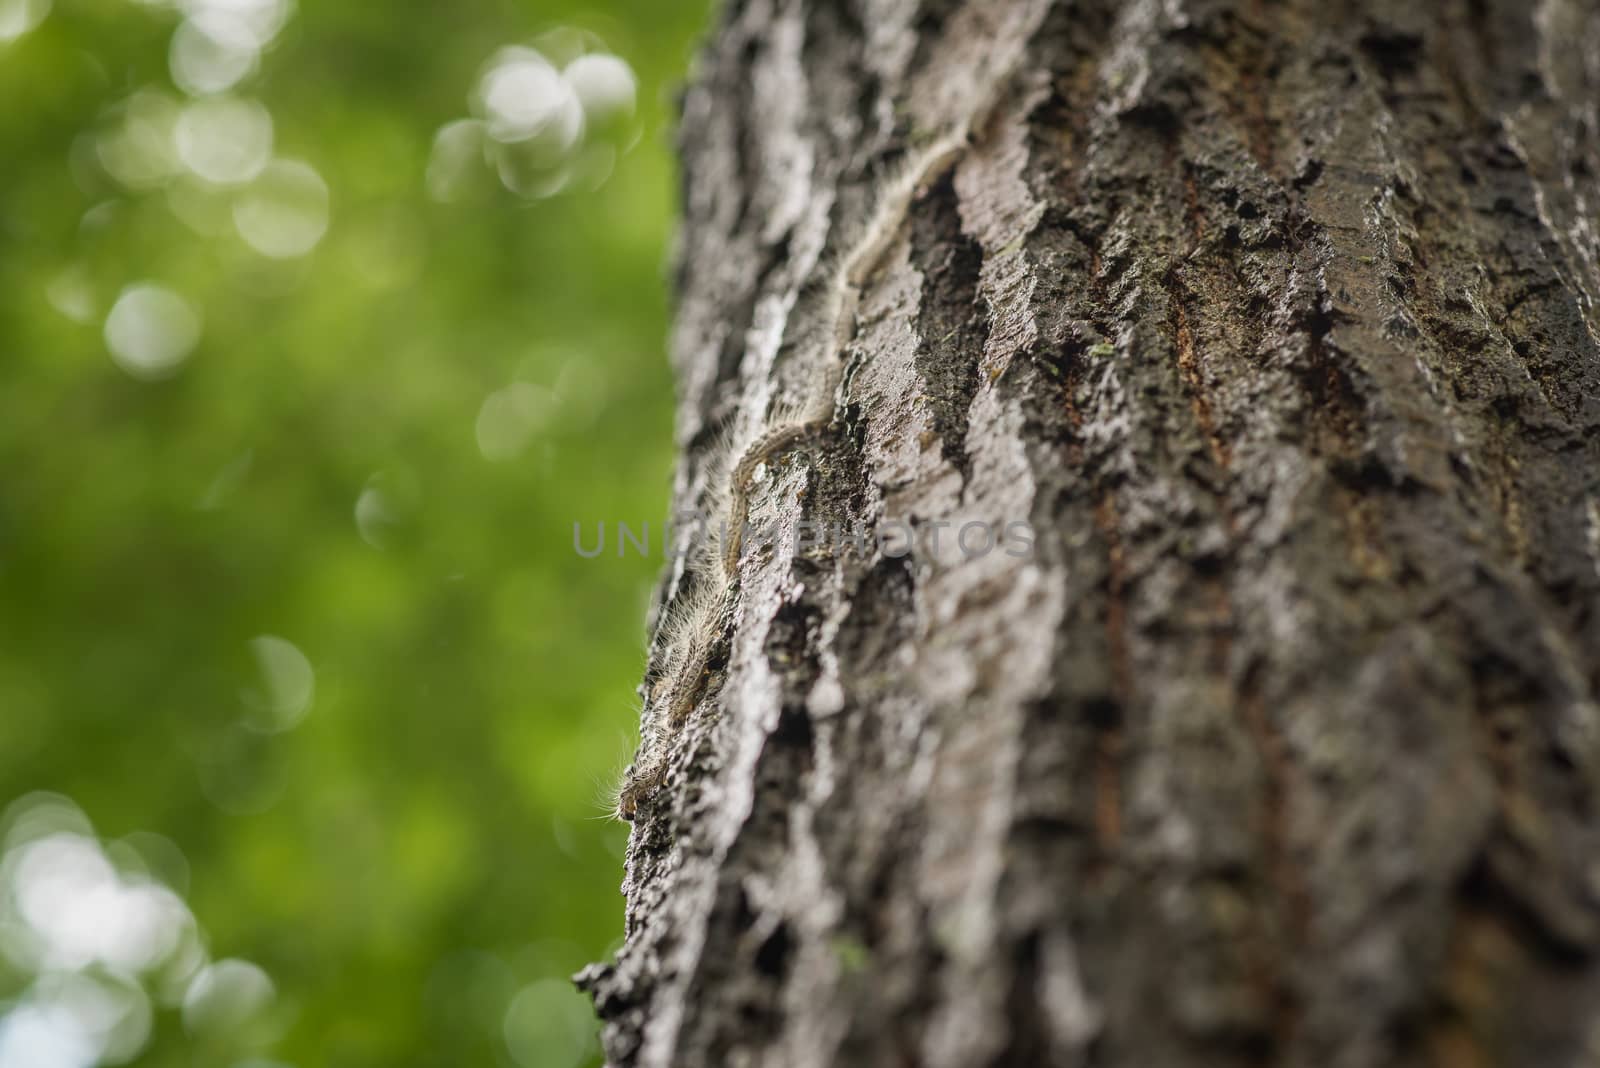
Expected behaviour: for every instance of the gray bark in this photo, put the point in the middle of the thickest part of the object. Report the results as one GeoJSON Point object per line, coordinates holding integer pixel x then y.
{"type": "Point", "coordinates": [1278, 323]}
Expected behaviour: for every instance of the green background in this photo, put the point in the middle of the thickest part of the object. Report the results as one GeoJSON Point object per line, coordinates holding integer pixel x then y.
{"type": "Point", "coordinates": [418, 863]}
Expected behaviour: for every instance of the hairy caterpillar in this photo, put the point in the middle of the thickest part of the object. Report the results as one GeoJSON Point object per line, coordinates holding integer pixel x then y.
{"type": "Point", "coordinates": [692, 628]}
{"type": "Point", "coordinates": [765, 448]}
{"type": "Point", "coordinates": [689, 632]}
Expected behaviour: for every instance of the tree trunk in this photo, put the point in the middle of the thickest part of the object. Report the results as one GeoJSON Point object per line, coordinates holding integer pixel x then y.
{"type": "Point", "coordinates": [1278, 325]}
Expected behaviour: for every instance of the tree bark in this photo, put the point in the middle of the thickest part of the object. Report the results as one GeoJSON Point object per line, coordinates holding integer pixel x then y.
{"type": "Point", "coordinates": [1278, 324]}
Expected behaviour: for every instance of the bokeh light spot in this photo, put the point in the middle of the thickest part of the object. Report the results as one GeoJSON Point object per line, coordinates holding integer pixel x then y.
{"type": "Point", "coordinates": [151, 331]}
{"type": "Point", "coordinates": [385, 508]}
{"type": "Point", "coordinates": [137, 149]}
{"type": "Point", "coordinates": [72, 294]}
{"type": "Point", "coordinates": [456, 160]}
{"type": "Point", "coordinates": [45, 1036]}
{"type": "Point", "coordinates": [82, 911]}
{"type": "Point", "coordinates": [550, 118]}
{"type": "Point", "coordinates": [549, 1025]}
{"type": "Point", "coordinates": [284, 213]}
{"type": "Point", "coordinates": [211, 53]}
{"type": "Point", "coordinates": [17, 17]}
{"type": "Point", "coordinates": [605, 86]}
{"type": "Point", "coordinates": [524, 98]}
{"type": "Point", "coordinates": [374, 517]}
{"type": "Point", "coordinates": [228, 996]}
{"type": "Point", "coordinates": [241, 771]}
{"type": "Point", "coordinates": [111, 1011]}
{"type": "Point", "coordinates": [160, 857]}
{"type": "Point", "coordinates": [225, 140]}
{"type": "Point", "coordinates": [509, 418]}
{"type": "Point", "coordinates": [287, 685]}
{"type": "Point", "coordinates": [43, 813]}
{"type": "Point", "coordinates": [261, 20]}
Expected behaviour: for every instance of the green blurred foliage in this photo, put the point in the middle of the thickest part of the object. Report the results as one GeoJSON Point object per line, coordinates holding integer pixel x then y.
{"type": "Point", "coordinates": [375, 452]}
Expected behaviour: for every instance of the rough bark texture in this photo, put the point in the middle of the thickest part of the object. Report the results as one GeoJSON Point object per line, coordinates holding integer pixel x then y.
{"type": "Point", "coordinates": [1278, 322]}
